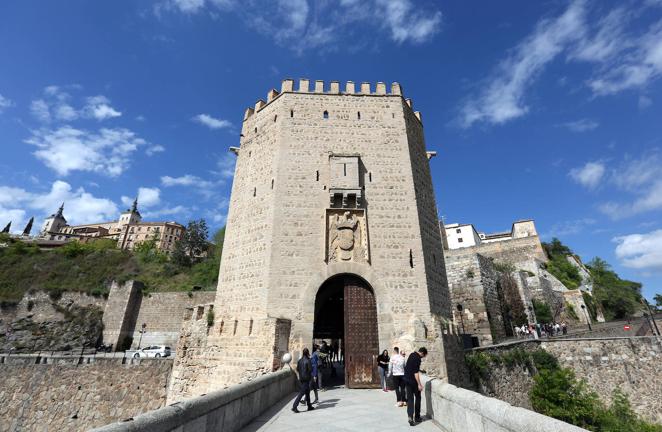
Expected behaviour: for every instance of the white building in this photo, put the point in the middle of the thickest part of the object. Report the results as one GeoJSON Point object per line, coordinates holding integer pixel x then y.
{"type": "Point", "coordinates": [456, 236]}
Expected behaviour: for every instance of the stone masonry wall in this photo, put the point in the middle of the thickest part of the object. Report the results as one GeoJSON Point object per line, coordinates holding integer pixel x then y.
{"type": "Point", "coordinates": [630, 364]}
{"type": "Point", "coordinates": [67, 396]}
{"type": "Point", "coordinates": [508, 251]}
{"type": "Point", "coordinates": [472, 283]}
{"type": "Point", "coordinates": [163, 313]}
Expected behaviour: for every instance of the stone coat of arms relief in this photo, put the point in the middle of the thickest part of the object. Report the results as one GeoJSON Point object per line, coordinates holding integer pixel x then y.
{"type": "Point", "coordinates": [347, 238]}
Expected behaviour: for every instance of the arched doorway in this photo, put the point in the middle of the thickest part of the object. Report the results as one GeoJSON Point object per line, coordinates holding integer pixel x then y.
{"type": "Point", "coordinates": [345, 310]}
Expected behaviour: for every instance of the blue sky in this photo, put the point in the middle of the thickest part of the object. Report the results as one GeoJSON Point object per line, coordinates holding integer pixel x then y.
{"type": "Point", "coordinates": [548, 110]}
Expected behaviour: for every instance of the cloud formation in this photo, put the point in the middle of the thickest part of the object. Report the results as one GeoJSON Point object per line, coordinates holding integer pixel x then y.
{"type": "Point", "coordinates": [642, 179]}
{"type": "Point", "coordinates": [147, 197]}
{"type": "Point", "coordinates": [583, 125]}
{"type": "Point", "coordinates": [307, 24]}
{"type": "Point", "coordinates": [588, 175]}
{"type": "Point", "coordinates": [17, 205]}
{"type": "Point", "coordinates": [67, 149]}
{"type": "Point", "coordinates": [4, 103]}
{"type": "Point", "coordinates": [56, 105]}
{"type": "Point", "coordinates": [623, 58]}
{"type": "Point", "coordinates": [640, 251]}
{"type": "Point", "coordinates": [211, 122]}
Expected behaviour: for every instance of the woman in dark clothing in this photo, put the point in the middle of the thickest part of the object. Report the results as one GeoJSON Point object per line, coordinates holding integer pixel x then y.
{"type": "Point", "coordinates": [383, 360]}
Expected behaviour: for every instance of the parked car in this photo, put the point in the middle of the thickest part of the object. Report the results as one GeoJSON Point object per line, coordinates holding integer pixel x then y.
{"type": "Point", "coordinates": [153, 351]}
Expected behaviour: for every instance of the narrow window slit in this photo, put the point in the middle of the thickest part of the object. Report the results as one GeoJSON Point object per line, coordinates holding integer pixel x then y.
{"type": "Point", "coordinates": [317, 175]}
{"type": "Point", "coordinates": [250, 327]}
{"type": "Point", "coordinates": [272, 183]}
{"type": "Point", "coordinates": [358, 115]}
{"type": "Point", "coordinates": [411, 259]}
{"type": "Point", "coordinates": [291, 113]}
{"type": "Point", "coordinates": [370, 177]}
{"type": "Point", "coordinates": [326, 114]}
{"type": "Point", "coordinates": [254, 191]}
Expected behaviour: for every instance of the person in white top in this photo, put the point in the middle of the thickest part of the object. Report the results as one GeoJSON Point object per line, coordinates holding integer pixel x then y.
{"type": "Point", "coordinates": [396, 369]}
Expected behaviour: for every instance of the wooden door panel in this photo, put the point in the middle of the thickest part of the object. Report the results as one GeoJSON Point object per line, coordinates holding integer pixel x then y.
{"type": "Point", "coordinates": [361, 337]}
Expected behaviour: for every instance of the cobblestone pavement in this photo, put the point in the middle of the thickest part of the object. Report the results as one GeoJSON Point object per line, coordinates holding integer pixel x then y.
{"type": "Point", "coordinates": [341, 410]}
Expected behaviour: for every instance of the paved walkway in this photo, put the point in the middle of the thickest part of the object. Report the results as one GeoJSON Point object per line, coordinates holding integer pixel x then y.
{"type": "Point", "coordinates": [341, 410]}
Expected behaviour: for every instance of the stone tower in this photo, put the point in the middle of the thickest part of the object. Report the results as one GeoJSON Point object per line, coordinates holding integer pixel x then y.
{"type": "Point", "coordinates": [332, 233]}
{"type": "Point", "coordinates": [55, 222]}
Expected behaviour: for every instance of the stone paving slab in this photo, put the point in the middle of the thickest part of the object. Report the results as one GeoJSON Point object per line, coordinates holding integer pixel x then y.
{"type": "Point", "coordinates": [341, 410]}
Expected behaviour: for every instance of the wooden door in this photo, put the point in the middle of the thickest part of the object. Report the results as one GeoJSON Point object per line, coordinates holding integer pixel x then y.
{"type": "Point", "coordinates": [361, 337]}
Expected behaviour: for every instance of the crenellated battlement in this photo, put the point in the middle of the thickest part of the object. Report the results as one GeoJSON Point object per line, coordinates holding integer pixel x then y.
{"type": "Point", "coordinates": [307, 86]}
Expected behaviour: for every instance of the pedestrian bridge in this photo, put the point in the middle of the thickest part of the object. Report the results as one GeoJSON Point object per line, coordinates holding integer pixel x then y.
{"type": "Point", "coordinates": [264, 405]}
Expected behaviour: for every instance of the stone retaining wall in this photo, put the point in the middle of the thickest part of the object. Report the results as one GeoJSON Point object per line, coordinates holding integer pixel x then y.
{"type": "Point", "coordinates": [226, 410]}
{"type": "Point", "coordinates": [458, 410]}
{"type": "Point", "coordinates": [71, 393]}
{"type": "Point", "coordinates": [631, 364]}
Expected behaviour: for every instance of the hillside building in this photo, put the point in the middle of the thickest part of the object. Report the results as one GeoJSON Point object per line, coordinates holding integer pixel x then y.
{"type": "Point", "coordinates": [128, 231]}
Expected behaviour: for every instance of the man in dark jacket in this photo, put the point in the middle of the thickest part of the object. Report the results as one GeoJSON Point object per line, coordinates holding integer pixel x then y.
{"type": "Point", "coordinates": [414, 386]}
{"type": "Point", "coordinates": [305, 372]}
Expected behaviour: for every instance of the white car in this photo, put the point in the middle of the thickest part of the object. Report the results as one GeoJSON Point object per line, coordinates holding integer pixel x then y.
{"type": "Point", "coordinates": [153, 351]}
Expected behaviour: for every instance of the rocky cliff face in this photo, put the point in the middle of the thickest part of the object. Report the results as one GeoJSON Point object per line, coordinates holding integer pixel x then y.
{"type": "Point", "coordinates": [79, 326]}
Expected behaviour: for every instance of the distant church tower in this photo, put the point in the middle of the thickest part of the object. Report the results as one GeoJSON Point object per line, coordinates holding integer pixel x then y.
{"type": "Point", "coordinates": [54, 223]}
{"type": "Point", "coordinates": [129, 216]}
{"type": "Point", "coordinates": [332, 234]}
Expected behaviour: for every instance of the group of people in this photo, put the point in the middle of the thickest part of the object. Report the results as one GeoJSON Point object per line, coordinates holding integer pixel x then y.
{"type": "Point", "coordinates": [538, 330]}
{"type": "Point", "coordinates": [402, 374]}
{"type": "Point", "coordinates": [397, 372]}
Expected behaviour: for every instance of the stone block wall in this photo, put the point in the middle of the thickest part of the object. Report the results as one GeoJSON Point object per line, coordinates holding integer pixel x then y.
{"type": "Point", "coordinates": [65, 395]}
{"type": "Point", "coordinates": [472, 282]}
{"type": "Point", "coordinates": [119, 315]}
{"type": "Point", "coordinates": [163, 312]}
{"type": "Point", "coordinates": [631, 364]}
{"type": "Point", "coordinates": [227, 410]}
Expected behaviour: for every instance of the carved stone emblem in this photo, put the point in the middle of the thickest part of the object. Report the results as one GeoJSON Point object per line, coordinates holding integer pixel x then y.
{"type": "Point", "coordinates": [347, 240]}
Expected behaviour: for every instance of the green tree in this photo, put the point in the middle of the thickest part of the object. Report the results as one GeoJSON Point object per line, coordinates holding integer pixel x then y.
{"type": "Point", "coordinates": [195, 238]}
{"type": "Point", "coordinates": [658, 301]}
{"type": "Point", "coordinates": [556, 248]}
{"type": "Point", "coordinates": [543, 312]}
{"type": "Point", "coordinates": [619, 298]}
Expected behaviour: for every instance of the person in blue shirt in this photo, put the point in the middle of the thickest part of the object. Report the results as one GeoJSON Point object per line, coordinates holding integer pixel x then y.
{"type": "Point", "coordinates": [317, 372]}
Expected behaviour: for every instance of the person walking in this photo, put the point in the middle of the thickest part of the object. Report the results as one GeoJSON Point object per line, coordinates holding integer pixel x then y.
{"type": "Point", "coordinates": [396, 370]}
{"type": "Point", "coordinates": [414, 386]}
{"type": "Point", "coordinates": [316, 381]}
{"type": "Point", "coordinates": [382, 362]}
{"type": "Point", "coordinates": [305, 372]}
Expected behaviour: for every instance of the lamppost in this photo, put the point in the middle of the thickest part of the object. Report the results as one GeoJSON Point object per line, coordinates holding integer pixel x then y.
{"type": "Point", "coordinates": [459, 309]}
{"type": "Point", "coordinates": [588, 318]}
{"type": "Point", "coordinates": [141, 334]}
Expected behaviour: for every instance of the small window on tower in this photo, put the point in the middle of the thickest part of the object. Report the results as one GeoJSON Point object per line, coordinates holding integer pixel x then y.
{"type": "Point", "coordinates": [459, 240]}
{"type": "Point", "coordinates": [358, 115]}
{"type": "Point", "coordinates": [326, 114]}
{"type": "Point", "coordinates": [291, 113]}
{"type": "Point", "coordinates": [275, 118]}
{"type": "Point", "coordinates": [458, 230]}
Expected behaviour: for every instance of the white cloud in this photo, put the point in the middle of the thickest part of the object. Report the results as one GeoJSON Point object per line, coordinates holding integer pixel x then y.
{"type": "Point", "coordinates": [303, 25]}
{"type": "Point", "coordinates": [640, 251]}
{"type": "Point", "coordinates": [624, 57]}
{"type": "Point", "coordinates": [147, 197]}
{"type": "Point", "coordinates": [635, 68]}
{"type": "Point", "coordinates": [55, 105]}
{"type": "Point", "coordinates": [80, 206]}
{"type": "Point", "coordinates": [154, 149]}
{"type": "Point", "coordinates": [67, 149]}
{"type": "Point", "coordinates": [589, 175]}
{"type": "Point", "coordinates": [582, 125]}
{"type": "Point", "coordinates": [502, 98]}
{"type": "Point", "coordinates": [185, 180]}
{"type": "Point", "coordinates": [407, 22]}
{"type": "Point", "coordinates": [640, 177]}
{"type": "Point", "coordinates": [211, 122]}
{"type": "Point", "coordinates": [98, 107]}
{"type": "Point", "coordinates": [5, 103]}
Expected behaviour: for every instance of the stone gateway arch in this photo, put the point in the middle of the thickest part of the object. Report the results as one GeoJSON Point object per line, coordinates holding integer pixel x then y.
{"type": "Point", "coordinates": [332, 231]}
